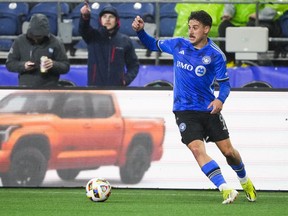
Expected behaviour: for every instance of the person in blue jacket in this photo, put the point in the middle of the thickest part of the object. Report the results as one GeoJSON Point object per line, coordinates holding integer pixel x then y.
{"type": "Point", "coordinates": [112, 60]}
{"type": "Point", "coordinates": [198, 63]}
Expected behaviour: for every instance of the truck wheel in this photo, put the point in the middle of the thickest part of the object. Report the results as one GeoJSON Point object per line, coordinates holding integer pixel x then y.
{"type": "Point", "coordinates": [137, 163]}
{"type": "Point", "coordinates": [28, 168]}
{"type": "Point", "coordinates": [68, 174]}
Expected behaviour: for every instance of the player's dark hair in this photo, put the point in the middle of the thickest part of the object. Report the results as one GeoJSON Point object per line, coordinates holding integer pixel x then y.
{"type": "Point", "coordinates": [201, 16]}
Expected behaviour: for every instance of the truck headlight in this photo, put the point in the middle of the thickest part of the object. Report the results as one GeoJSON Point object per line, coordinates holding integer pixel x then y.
{"type": "Point", "coordinates": [6, 131]}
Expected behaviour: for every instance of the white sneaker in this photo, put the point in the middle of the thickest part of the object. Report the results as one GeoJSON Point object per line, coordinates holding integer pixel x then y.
{"type": "Point", "coordinates": [229, 196]}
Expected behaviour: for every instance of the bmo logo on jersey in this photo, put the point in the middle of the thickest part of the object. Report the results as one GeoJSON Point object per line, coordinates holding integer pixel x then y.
{"type": "Point", "coordinates": [184, 66]}
{"type": "Point", "coordinates": [200, 70]}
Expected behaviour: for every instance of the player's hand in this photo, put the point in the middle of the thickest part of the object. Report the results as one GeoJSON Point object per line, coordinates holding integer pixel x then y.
{"type": "Point", "coordinates": [138, 24]}
{"type": "Point", "coordinates": [216, 105]}
{"type": "Point", "coordinates": [85, 10]}
{"type": "Point", "coordinates": [29, 65]}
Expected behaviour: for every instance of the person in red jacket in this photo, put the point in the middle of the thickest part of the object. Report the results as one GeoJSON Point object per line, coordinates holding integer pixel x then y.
{"type": "Point", "coordinates": [112, 60]}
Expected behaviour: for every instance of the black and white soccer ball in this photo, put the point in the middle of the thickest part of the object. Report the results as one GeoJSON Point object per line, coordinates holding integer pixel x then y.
{"type": "Point", "coordinates": [98, 189]}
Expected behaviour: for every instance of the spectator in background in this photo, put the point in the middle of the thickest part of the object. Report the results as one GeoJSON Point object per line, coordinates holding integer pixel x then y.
{"type": "Point", "coordinates": [112, 60]}
{"type": "Point", "coordinates": [27, 50]}
{"type": "Point", "coordinates": [235, 15]}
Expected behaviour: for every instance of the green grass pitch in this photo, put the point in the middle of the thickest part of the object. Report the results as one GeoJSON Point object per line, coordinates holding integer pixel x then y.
{"type": "Point", "coordinates": [142, 202]}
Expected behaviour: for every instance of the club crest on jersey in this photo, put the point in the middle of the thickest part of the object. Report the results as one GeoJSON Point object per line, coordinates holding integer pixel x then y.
{"type": "Point", "coordinates": [200, 70]}
{"type": "Point", "coordinates": [206, 60]}
{"type": "Point", "coordinates": [182, 127]}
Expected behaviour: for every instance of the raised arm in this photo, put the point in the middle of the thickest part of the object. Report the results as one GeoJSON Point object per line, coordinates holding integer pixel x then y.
{"type": "Point", "coordinates": [148, 41]}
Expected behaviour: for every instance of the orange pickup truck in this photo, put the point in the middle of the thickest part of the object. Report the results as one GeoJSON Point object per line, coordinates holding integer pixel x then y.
{"type": "Point", "coordinates": [70, 131]}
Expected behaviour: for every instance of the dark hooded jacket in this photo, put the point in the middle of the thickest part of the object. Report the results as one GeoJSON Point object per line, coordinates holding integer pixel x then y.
{"type": "Point", "coordinates": [112, 60]}
{"type": "Point", "coordinates": [25, 49]}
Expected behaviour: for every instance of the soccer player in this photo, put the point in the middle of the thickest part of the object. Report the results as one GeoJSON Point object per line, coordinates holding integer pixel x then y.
{"type": "Point", "coordinates": [198, 63]}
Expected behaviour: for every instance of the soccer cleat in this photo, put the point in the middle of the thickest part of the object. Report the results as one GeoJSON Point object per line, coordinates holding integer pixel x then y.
{"type": "Point", "coordinates": [249, 190]}
{"type": "Point", "coordinates": [229, 196]}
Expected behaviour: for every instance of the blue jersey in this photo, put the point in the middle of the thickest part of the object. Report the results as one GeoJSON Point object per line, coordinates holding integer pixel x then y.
{"type": "Point", "coordinates": [195, 71]}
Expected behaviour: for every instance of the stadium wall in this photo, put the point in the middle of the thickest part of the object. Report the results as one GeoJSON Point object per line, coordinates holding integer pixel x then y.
{"type": "Point", "coordinates": [162, 75]}
{"type": "Point", "coordinates": [258, 124]}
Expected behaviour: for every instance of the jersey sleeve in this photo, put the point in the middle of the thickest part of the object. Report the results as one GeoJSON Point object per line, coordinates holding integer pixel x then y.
{"type": "Point", "coordinates": [167, 45]}
{"type": "Point", "coordinates": [148, 41]}
{"type": "Point", "coordinates": [222, 78]}
{"type": "Point", "coordinates": [220, 68]}
{"type": "Point", "coordinates": [156, 45]}
{"type": "Point", "coordinates": [224, 90]}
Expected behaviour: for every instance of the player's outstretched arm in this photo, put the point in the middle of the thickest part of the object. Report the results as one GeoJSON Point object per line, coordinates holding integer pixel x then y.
{"type": "Point", "coordinates": [148, 41]}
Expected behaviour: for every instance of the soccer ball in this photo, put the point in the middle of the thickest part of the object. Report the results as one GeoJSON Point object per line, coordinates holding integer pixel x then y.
{"type": "Point", "coordinates": [98, 189]}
